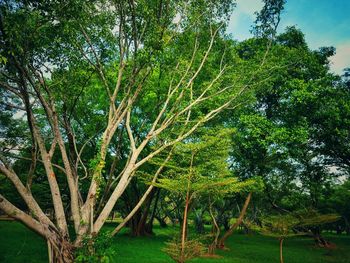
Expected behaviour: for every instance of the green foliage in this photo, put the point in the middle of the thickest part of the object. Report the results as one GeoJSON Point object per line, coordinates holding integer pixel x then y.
{"type": "Point", "coordinates": [200, 166]}
{"type": "Point", "coordinates": [202, 185]}
{"type": "Point", "coordinates": [96, 249]}
{"type": "Point", "coordinates": [341, 195]}
{"type": "Point", "coordinates": [268, 18]}
{"type": "Point", "coordinates": [293, 224]}
{"type": "Point", "coordinates": [310, 217]}
{"type": "Point", "coordinates": [280, 226]}
{"type": "Point", "coordinates": [193, 248]}
{"type": "Point", "coordinates": [296, 131]}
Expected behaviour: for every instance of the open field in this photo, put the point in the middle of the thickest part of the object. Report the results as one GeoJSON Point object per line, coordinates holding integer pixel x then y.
{"type": "Point", "coordinates": [18, 245]}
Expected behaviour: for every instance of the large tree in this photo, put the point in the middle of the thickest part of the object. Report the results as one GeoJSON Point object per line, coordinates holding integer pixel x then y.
{"type": "Point", "coordinates": [84, 77]}
{"type": "Point", "coordinates": [295, 133]}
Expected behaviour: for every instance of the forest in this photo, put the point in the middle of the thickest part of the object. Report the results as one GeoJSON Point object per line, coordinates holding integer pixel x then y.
{"type": "Point", "coordinates": [142, 131]}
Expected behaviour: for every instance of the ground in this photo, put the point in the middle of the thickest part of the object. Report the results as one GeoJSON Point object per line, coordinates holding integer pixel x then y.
{"type": "Point", "coordinates": [18, 245]}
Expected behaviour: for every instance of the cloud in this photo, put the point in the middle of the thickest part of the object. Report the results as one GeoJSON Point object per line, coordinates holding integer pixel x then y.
{"type": "Point", "coordinates": [249, 6]}
{"type": "Point", "coordinates": [341, 59]}
{"type": "Point", "coordinates": [243, 17]}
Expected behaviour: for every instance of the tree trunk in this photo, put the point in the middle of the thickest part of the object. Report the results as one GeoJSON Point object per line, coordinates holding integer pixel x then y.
{"type": "Point", "coordinates": [216, 232]}
{"type": "Point", "coordinates": [149, 225]}
{"type": "Point", "coordinates": [320, 241]}
{"type": "Point", "coordinates": [134, 222]}
{"type": "Point", "coordinates": [184, 229]}
{"type": "Point", "coordinates": [162, 222]}
{"type": "Point", "coordinates": [281, 250]}
{"type": "Point", "coordinates": [60, 250]}
{"type": "Point", "coordinates": [339, 230]}
{"type": "Point", "coordinates": [141, 226]}
{"type": "Point", "coordinates": [347, 226]}
{"type": "Point", "coordinates": [198, 221]}
{"type": "Point", "coordinates": [138, 205]}
{"type": "Point", "coordinates": [225, 223]}
{"type": "Point", "coordinates": [221, 243]}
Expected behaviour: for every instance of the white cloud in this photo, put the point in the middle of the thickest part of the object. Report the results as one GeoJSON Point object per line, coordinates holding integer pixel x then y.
{"type": "Point", "coordinates": [249, 6]}
{"type": "Point", "coordinates": [243, 17]}
{"type": "Point", "coordinates": [341, 59]}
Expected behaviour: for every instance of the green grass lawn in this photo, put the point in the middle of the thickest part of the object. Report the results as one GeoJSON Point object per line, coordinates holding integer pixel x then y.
{"type": "Point", "coordinates": [19, 245]}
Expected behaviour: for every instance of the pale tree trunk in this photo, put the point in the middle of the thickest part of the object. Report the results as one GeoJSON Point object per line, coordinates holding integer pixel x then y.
{"type": "Point", "coordinates": [72, 181]}
{"type": "Point", "coordinates": [60, 249]}
{"type": "Point", "coordinates": [221, 243]}
{"type": "Point", "coordinates": [50, 110]}
{"type": "Point", "coordinates": [45, 155]}
{"type": "Point", "coordinates": [19, 215]}
{"type": "Point", "coordinates": [118, 191]}
{"type": "Point", "coordinates": [94, 185]}
{"type": "Point", "coordinates": [26, 195]}
{"type": "Point", "coordinates": [55, 191]}
{"type": "Point", "coordinates": [58, 238]}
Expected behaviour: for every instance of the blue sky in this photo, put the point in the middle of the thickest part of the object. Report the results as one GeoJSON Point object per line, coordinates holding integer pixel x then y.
{"type": "Point", "coordinates": [324, 23]}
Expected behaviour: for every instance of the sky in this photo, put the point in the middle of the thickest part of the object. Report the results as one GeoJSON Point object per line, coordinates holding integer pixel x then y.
{"type": "Point", "coordinates": [323, 22]}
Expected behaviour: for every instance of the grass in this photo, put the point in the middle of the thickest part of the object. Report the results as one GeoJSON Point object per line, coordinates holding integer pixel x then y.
{"type": "Point", "coordinates": [18, 245]}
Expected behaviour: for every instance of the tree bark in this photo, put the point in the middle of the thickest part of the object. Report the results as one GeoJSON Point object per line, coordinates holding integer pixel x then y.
{"type": "Point", "coordinates": [221, 243]}
{"type": "Point", "coordinates": [347, 225]}
{"type": "Point", "coordinates": [198, 221]}
{"type": "Point", "coordinates": [149, 225]}
{"type": "Point", "coordinates": [281, 250]}
{"type": "Point", "coordinates": [55, 191]}
{"type": "Point", "coordinates": [26, 195]}
{"type": "Point", "coordinates": [143, 198]}
{"type": "Point", "coordinates": [141, 226]}
{"type": "Point", "coordinates": [184, 229]}
{"type": "Point", "coordinates": [60, 249]}
{"type": "Point", "coordinates": [319, 239]}
{"type": "Point", "coordinates": [216, 231]}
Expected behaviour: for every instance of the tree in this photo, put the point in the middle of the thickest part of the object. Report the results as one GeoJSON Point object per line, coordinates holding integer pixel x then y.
{"type": "Point", "coordinates": [199, 176]}
{"type": "Point", "coordinates": [293, 224]}
{"type": "Point", "coordinates": [221, 242]}
{"type": "Point", "coordinates": [281, 227]}
{"type": "Point", "coordinates": [338, 203]}
{"type": "Point", "coordinates": [85, 71]}
{"type": "Point", "coordinates": [294, 134]}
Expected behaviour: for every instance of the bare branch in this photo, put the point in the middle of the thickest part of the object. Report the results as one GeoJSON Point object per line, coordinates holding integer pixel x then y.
{"type": "Point", "coordinates": [26, 195]}
{"type": "Point", "coordinates": [13, 106]}
{"type": "Point", "coordinates": [18, 214]}
{"type": "Point", "coordinates": [11, 89]}
{"type": "Point", "coordinates": [98, 66]}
